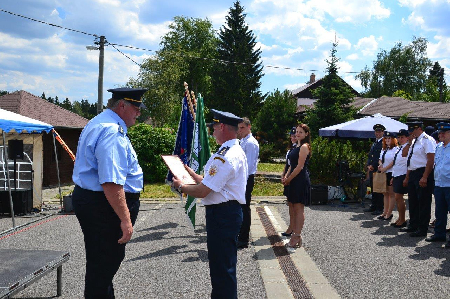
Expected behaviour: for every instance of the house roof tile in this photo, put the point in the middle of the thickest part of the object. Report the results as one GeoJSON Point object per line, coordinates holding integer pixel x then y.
{"type": "Point", "coordinates": [31, 106]}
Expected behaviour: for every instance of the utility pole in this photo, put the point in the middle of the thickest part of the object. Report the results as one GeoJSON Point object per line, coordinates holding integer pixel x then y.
{"type": "Point", "coordinates": [101, 63]}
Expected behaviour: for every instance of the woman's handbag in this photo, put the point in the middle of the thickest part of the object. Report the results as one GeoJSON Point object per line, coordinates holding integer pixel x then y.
{"type": "Point", "coordinates": [379, 182]}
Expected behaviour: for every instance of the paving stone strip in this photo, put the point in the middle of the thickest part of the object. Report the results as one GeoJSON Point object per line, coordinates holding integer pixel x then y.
{"type": "Point", "coordinates": [295, 281]}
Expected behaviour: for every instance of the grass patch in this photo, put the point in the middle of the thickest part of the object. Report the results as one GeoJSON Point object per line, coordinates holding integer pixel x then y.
{"type": "Point", "coordinates": [265, 187]}
{"type": "Point", "coordinates": [271, 167]}
{"type": "Point", "coordinates": [157, 190]}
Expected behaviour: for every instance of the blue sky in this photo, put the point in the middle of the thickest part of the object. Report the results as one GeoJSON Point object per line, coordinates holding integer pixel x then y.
{"type": "Point", "coordinates": [292, 34]}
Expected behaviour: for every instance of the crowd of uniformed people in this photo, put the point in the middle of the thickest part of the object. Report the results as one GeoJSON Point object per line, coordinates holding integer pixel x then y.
{"type": "Point", "coordinates": [417, 164]}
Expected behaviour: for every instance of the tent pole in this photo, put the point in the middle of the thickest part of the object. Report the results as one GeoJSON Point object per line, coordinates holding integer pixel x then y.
{"type": "Point", "coordinates": [7, 179]}
{"type": "Point", "coordinates": [57, 172]}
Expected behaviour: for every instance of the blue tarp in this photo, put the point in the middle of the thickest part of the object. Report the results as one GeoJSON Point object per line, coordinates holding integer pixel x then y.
{"type": "Point", "coordinates": [361, 128]}
{"type": "Point", "coordinates": [10, 121]}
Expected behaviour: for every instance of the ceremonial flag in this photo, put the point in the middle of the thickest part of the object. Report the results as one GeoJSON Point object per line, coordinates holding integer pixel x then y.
{"type": "Point", "coordinates": [200, 154]}
{"type": "Point", "coordinates": [183, 142]}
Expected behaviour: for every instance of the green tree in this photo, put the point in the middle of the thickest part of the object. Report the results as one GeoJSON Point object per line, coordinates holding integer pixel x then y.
{"type": "Point", "coordinates": [334, 97]}
{"type": "Point", "coordinates": [3, 92]}
{"type": "Point", "coordinates": [66, 104]}
{"type": "Point", "coordinates": [273, 122]}
{"type": "Point", "coordinates": [184, 57]}
{"type": "Point", "coordinates": [236, 80]}
{"type": "Point", "coordinates": [402, 68]}
{"type": "Point", "coordinates": [436, 89]}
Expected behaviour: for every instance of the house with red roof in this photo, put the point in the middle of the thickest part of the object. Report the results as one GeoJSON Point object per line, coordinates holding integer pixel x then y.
{"type": "Point", "coordinates": [68, 125]}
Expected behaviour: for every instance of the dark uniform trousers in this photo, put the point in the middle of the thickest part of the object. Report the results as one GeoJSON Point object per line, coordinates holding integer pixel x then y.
{"type": "Point", "coordinates": [101, 230]}
{"type": "Point", "coordinates": [223, 222]}
{"type": "Point", "coordinates": [246, 211]}
{"type": "Point", "coordinates": [377, 198]}
{"type": "Point", "coordinates": [419, 200]}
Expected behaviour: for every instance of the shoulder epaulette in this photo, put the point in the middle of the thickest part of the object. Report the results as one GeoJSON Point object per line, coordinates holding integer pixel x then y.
{"type": "Point", "coordinates": [220, 158]}
{"type": "Point", "coordinates": [223, 151]}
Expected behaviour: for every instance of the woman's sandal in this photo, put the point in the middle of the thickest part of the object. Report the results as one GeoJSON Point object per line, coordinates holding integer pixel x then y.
{"type": "Point", "coordinates": [297, 244]}
{"type": "Point", "coordinates": [286, 233]}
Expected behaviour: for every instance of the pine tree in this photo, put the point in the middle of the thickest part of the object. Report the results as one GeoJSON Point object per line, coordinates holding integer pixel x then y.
{"type": "Point", "coordinates": [334, 97]}
{"type": "Point", "coordinates": [236, 79]}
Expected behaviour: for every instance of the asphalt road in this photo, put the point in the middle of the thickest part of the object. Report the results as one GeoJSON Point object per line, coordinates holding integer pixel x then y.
{"type": "Point", "coordinates": [360, 256]}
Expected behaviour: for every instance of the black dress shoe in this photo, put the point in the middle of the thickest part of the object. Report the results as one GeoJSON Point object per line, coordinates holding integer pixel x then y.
{"type": "Point", "coordinates": [401, 225]}
{"type": "Point", "coordinates": [380, 217]}
{"type": "Point", "coordinates": [408, 229]}
{"type": "Point", "coordinates": [286, 234]}
{"type": "Point", "coordinates": [393, 224]}
{"type": "Point", "coordinates": [418, 233]}
{"type": "Point", "coordinates": [388, 218]}
{"type": "Point", "coordinates": [242, 245]}
{"type": "Point", "coordinates": [370, 209]}
{"type": "Point", "coordinates": [434, 238]}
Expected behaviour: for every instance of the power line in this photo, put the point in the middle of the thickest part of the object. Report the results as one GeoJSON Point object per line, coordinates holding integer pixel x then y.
{"type": "Point", "coordinates": [149, 50]}
{"type": "Point", "coordinates": [46, 23]}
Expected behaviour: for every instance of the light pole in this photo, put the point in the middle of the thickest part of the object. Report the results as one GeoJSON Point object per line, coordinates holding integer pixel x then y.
{"type": "Point", "coordinates": [101, 62]}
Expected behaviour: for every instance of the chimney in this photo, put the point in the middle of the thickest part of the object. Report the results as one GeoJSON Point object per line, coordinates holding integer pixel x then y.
{"type": "Point", "coordinates": [312, 78]}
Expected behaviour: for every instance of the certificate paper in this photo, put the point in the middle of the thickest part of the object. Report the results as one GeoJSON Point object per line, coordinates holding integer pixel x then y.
{"type": "Point", "coordinates": [176, 166]}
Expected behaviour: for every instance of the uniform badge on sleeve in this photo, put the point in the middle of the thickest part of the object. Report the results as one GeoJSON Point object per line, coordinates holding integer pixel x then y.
{"type": "Point", "coordinates": [121, 129]}
{"type": "Point", "coordinates": [212, 170]}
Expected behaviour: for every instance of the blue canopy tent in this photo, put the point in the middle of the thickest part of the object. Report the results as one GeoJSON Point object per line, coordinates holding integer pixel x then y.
{"type": "Point", "coordinates": [11, 123]}
{"type": "Point", "coordinates": [361, 128]}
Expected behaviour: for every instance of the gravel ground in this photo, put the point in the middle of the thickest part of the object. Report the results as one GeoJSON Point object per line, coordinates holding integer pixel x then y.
{"type": "Point", "coordinates": [165, 259]}
{"type": "Point", "coordinates": [366, 258]}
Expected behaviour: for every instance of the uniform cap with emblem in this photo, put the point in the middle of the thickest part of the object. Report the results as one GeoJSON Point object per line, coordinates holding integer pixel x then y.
{"type": "Point", "coordinates": [403, 132]}
{"type": "Point", "coordinates": [132, 95]}
{"type": "Point", "coordinates": [225, 118]}
{"type": "Point", "coordinates": [390, 134]}
{"type": "Point", "coordinates": [413, 125]}
{"type": "Point", "coordinates": [379, 127]}
{"type": "Point", "coordinates": [429, 130]}
{"type": "Point", "coordinates": [443, 126]}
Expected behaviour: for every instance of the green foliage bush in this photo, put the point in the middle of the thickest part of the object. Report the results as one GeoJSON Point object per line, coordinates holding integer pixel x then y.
{"type": "Point", "coordinates": [149, 143]}
{"type": "Point", "coordinates": [326, 153]}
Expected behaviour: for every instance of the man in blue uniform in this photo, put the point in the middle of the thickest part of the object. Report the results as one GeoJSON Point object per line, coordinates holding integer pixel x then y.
{"type": "Point", "coordinates": [108, 181]}
{"type": "Point", "coordinates": [372, 166]}
{"type": "Point", "coordinates": [420, 180]}
{"type": "Point", "coordinates": [223, 191]}
{"type": "Point", "coordinates": [442, 185]}
{"type": "Point", "coordinates": [251, 149]}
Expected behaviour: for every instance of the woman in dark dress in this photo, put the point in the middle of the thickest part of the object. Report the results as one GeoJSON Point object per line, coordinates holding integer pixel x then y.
{"type": "Point", "coordinates": [293, 139]}
{"type": "Point", "coordinates": [297, 178]}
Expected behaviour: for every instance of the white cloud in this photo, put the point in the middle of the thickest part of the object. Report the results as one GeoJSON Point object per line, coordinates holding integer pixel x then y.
{"type": "Point", "coordinates": [353, 56]}
{"type": "Point", "coordinates": [367, 45]}
{"type": "Point", "coordinates": [439, 50]}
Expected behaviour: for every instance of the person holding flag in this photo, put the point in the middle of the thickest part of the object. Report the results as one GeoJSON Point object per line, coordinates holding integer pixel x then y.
{"type": "Point", "coordinates": [200, 153]}
{"type": "Point", "coordinates": [223, 191]}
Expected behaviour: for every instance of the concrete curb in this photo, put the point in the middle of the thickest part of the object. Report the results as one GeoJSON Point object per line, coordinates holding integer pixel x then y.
{"type": "Point", "coordinates": [271, 273]}
{"type": "Point", "coordinates": [315, 281]}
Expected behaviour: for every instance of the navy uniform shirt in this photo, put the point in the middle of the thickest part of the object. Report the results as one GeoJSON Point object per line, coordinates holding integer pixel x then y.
{"type": "Point", "coordinates": [251, 149]}
{"type": "Point", "coordinates": [105, 154]}
{"type": "Point", "coordinates": [226, 174]}
{"type": "Point", "coordinates": [374, 154]}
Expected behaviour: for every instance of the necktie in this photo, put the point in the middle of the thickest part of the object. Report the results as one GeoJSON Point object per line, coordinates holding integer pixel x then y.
{"type": "Point", "coordinates": [410, 154]}
{"type": "Point", "coordinates": [395, 156]}
{"type": "Point", "coordinates": [382, 157]}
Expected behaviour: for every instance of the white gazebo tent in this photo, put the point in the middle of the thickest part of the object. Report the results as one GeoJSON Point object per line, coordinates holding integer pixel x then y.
{"type": "Point", "coordinates": [15, 126]}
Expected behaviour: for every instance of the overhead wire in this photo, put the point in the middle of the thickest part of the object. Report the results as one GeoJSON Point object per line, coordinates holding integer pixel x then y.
{"type": "Point", "coordinates": [149, 50]}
